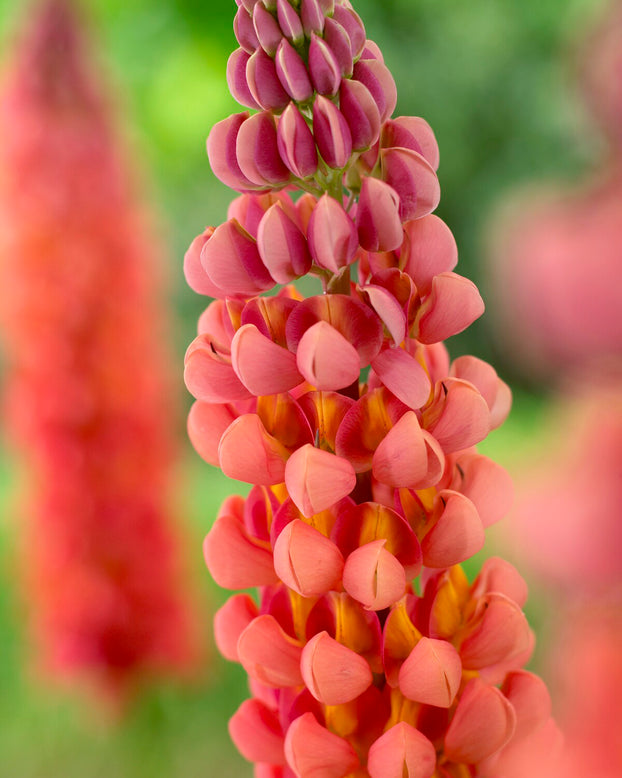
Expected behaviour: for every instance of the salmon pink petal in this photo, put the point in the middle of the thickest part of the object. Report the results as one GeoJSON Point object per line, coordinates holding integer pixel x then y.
{"type": "Point", "coordinates": [388, 309]}
{"type": "Point", "coordinates": [269, 315]}
{"type": "Point", "coordinates": [261, 365]}
{"type": "Point", "coordinates": [412, 132]}
{"type": "Point", "coordinates": [459, 417]}
{"type": "Point", "coordinates": [307, 561]}
{"type": "Point", "coordinates": [500, 632]}
{"type": "Point", "coordinates": [317, 479]}
{"type": "Point", "coordinates": [432, 673]}
{"type": "Point", "coordinates": [257, 733]}
{"type": "Point", "coordinates": [456, 534]}
{"type": "Point", "coordinates": [257, 151]}
{"type": "Point", "coordinates": [206, 425]}
{"type": "Point", "coordinates": [333, 673]}
{"type": "Point", "coordinates": [376, 76]}
{"type": "Point", "coordinates": [233, 263]}
{"type": "Point", "coordinates": [282, 246]}
{"type": "Point", "coordinates": [296, 143]}
{"type": "Point", "coordinates": [194, 272]}
{"type": "Point", "coordinates": [351, 22]}
{"type": "Point", "coordinates": [269, 654]}
{"type": "Point", "coordinates": [209, 375]}
{"type": "Point", "coordinates": [453, 304]}
{"type": "Point", "coordinates": [484, 377]}
{"type": "Point", "coordinates": [314, 752]}
{"type": "Point", "coordinates": [326, 359]}
{"type": "Point", "coordinates": [414, 180]}
{"type": "Point", "coordinates": [373, 576]}
{"type": "Point", "coordinates": [530, 699]}
{"type": "Point", "coordinates": [402, 751]}
{"type": "Point", "coordinates": [332, 236]}
{"type": "Point", "coordinates": [230, 621]}
{"type": "Point", "coordinates": [429, 250]}
{"type": "Point", "coordinates": [486, 484]}
{"type": "Point", "coordinates": [247, 452]}
{"type": "Point", "coordinates": [401, 458]}
{"type": "Point", "coordinates": [378, 216]}
{"type": "Point", "coordinates": [403, 376]}
{"type": "Point", "coordinates": [483, 723]}
{"type": "Point", "coordinates": [221, 150]}
{"type": "Point", "coordinates": [283, 418]}
{"type": "Point", "coordinates": [235, 560]}
{"type": "Point", "coordinates": [498, 575]}
{"type": "Point", "coordinates": [361, 113]}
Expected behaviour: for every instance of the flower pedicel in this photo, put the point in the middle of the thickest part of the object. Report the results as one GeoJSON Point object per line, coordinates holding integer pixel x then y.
{"type": "Point", "coordinates": [368, 651]}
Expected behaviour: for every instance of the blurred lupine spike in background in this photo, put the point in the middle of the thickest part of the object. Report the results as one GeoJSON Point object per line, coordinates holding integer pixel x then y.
{"type": "Point", "coordinates": [89, 400]}
{"type": "Point", "coordinates": [360, 484]}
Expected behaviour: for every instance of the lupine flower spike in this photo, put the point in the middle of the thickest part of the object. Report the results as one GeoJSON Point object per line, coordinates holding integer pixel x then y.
{"type": "Point", "coordinates": [87, 393]}
{"type": "Point", "coordinates": [369, 653]}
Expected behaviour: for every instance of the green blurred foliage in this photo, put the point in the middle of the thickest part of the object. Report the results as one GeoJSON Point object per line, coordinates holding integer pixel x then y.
{"type": "Point", "coordinates": [494, 79]}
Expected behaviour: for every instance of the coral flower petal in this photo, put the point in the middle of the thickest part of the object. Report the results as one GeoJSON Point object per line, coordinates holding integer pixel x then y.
{"type": "Point", "coordinates": [235, 560]}
{"type": "Point", "coordinates": [207, 423]}
{"type": "Point", "coordinates": [530, 699]}
{"type": "Point", "coordinates": [314, 752]}
{"type": "Point", "coordinates": [403, 376]}
{"type": "Point", "coordinates": [458, 417]}
{"type": "Point", "coordinates": [209, 375]}
{"type": "Point", "coordinates": [269, 654]}
{"type": "Point", "coordinates": [402, 751]}
{"type": "Point", "coordinates": [431, 673]}
{"type": "Point", "coordinates": [257, 733]}
{"type": "Point", "coordinates": [500, 633]}
{"type": "Point", "coordinates": [333, 673]}
{"type": "Point", "coordinates": [247, 452]}
{"type": "Point", "coordinates": [486, 484]}
{"type": "Point", "coordinates": [317, 479]}
{"type": "Point", "coordinates": [457, 532]}
{"type": "Point", "coordinates": [430, 249]}
{"type": "Point", "coordinates": [401, 459]}
{"type": "Point", "coordinates": [373, 576]}
{"type": "Point", "coordinates": [230, 621]}
{"type": "Point", "coordinates": [326, 359]}
{"type": "Point", "coordinates": [307, 561]}
{"type": "Point", "coordinates": [414, 180]}
{"type": "Point", "coordinates": [483, 723]}
{"type": "Point", "coordinates": [453, 304]}
{"type": "Point", "coordinates": [262, 366]}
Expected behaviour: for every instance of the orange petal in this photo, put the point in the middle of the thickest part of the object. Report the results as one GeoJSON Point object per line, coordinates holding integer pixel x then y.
{"type": "Point", "coordinates": [432, 673]}
{"type": "Point", "coordinates": [399, 638]}
{"type": "Point", "coordinates": [230, 621]}
{"type": "Point", "coordinates": [257, 733]}
{"type": "Point", "coordinates": [314, 752]}
{"type": "Point", "coordinates": [261, 365]}
{"type": "Point", "coordinates": [402, 751]}
{"type": "Point", "coordinates": [500, 632]}
{"type": "Point", "coordinates": [206, 425]}
{"type": "Point", "coordinates": [248, 453]}
{"type": "Point", "coordinates": [333, 673]}
{"type": "Point", "coordinates": [457, 532]}
{"type": "Point", "coordinates": [325, 412]}
{"type": "Point", "coordinates": [269, 654]}
{"type": "Point", "coordinates": [483, 723]}
{"type": "Point", "coordinates": [317, 479]}
{"type": "Point", "coordinates": [307, 561]}
{"type": "Point", "coordinates": [326, 359]}
{"type": "Point", "coordinates": [235, 560]}
{"type": "Point", "coordinates": [373, 576]}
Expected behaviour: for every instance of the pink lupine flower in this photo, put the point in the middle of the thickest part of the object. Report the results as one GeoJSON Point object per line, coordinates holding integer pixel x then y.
{"type": "Point", "coordinates": [81, 317]}
{"type": "Point", "coordinates": [357, 432]}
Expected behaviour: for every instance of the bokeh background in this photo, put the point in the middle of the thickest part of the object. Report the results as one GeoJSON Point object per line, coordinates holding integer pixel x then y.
{"type": "Point", "coordinates": [497, 82]}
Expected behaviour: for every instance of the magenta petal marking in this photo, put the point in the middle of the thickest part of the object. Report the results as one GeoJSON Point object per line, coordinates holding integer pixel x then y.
{"type": "Point", "coordinates": [312, 17]}
{"type": "Point", "coordinates": [378, 79]}
{"type": "Point", "coordinates": [267, 30]}
{"type": "Point", "coordinates": [257, 733]}
{"type": "Point", "coordinates": [317, 479]}
{"type": "Point", "coordinates": [352, 24]}
{"type": "Point", "coordinates": [402, 750]}
{"type": "Point", "coordinates": [269, 654]}
{"type": "Point", "coordinates": [245, 31]}
{"type": "Point", "coordinates": [423, 138]}
{"type": "Point", "coordinates": [333, 673]}
{"type": "Point", "coordinates": [314, 752]}
{"type": "Point", "coordinates": [289, 21]}
{"type": "Point", "coordinates": [247, 452]}
{"type": "Point", "coordinates": [331, 133]}
{"type": "Point", "coordinates": [431, 673]}
{"type": "Point", "coordinates": [484, 721]}
{"type": "Point", "coordinates": [292, 72]}
{"type": "Point", "coordinates": [338, 41]}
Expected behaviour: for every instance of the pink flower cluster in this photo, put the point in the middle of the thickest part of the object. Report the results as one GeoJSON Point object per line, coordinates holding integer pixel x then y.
{"type": "Point", "coordinates": [357, 432]}
{"type": "Point", "coordinates": [79, 299]}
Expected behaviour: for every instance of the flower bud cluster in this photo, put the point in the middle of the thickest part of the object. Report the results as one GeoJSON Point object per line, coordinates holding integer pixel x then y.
{"type": "Point", "coordinates": [358, 434]}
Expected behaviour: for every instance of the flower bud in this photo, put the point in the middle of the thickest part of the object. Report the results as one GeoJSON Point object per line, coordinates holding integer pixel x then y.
{"type": "Point", "coordinates": [312, 17]}
{"type": "Point", "coordinates": [360, 112]}
{"type": "Point", "coordinates": [373, 576]}
{"type": "Point", "coordinates": [352, 24]}
{"type": "Point", "coordinates": [402, 750]}
{"type": "Point", "coordinates": [312, 751]}
{"type": "Point", "coordinates": [263, 82]}
{"type": "Point", "coordinates": [292, 72]}
{"type": "Point", "coordinates": [324, 68]}
{"type": "Point", "coordinates": [282, 246]}
{"type": "Point", "coordinates": [258, 153]}
{"type": "Point", "coordinates": [331, 133]}
{"type": "Point", "coordinates": [326, 359]}
{"type": "Point", "coordinates": [377, 216]}
{"type": "Point", "coordinates": [378, 79]}
{"type": "Point", "coordinates": [236, 78]}
{"type": "Point", "coordinates": [289, 21]}
{"type": "Point", "coordinates": [221, 150]}
{"type": "Point", "coordinates": [333, 673]}
{"type": "Point", "coordinates": [263, 366]}
{"type": "Point", "coordinates": [456, 532]}
{"type": "Point", "coordinates": [413, 178]}
{"type": "Point", "coordinates": [338, 41]}
{"type": "Point", "coordinates": [267, 29]}
{"type": "Point", "coordinates": [431, 673]}
{"type": "Point", "coordinates": [296, 144]}
{"type": "Point", "coordinates": [317, 479]}
{"type": "Point", "coordinates": [245, 30]}
{"type": "Point", "coordinates": [307, 561]}
{"type": "Point", "coordinates": [332, 235]}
